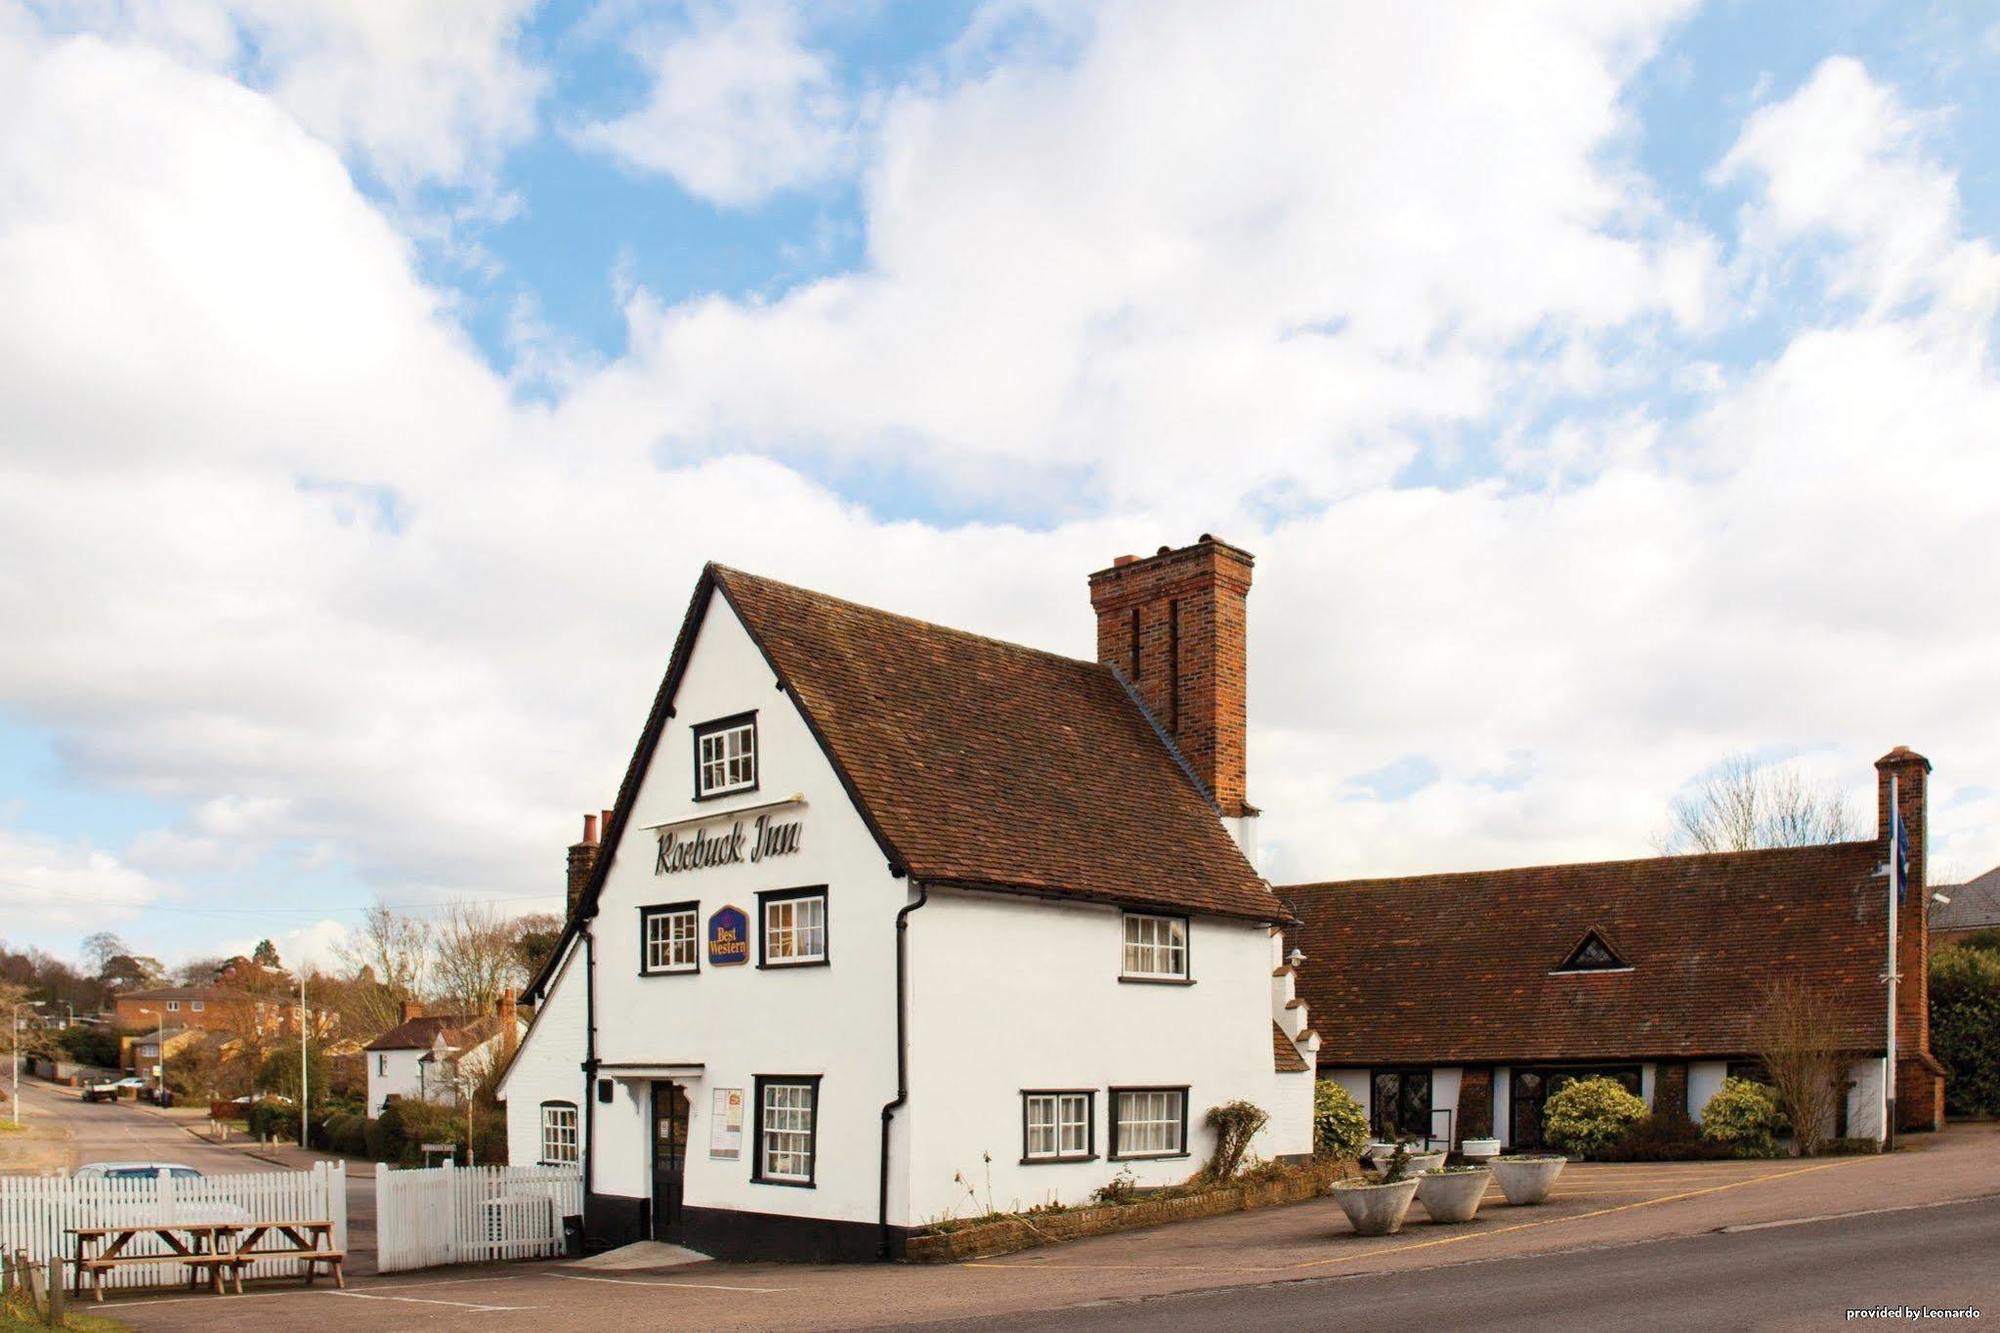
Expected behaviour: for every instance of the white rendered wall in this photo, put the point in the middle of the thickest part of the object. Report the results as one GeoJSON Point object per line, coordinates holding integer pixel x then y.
{"type": "Point", "coordinates": [1864, 1100]}
{"type": "Point", "coordinates": [400, 1079]}
{"type": "Point", "coordinates": [1648, 1075]}
{"type": "Point", "coordinates": [1445, 1081]}
{"type": "Point", "coordinates": [549, 1065]}
{"type": "Point", "coordinates": [1503, 1104]}
{"type": "Point", "coordinates": [1704, 1081]}
{"type": "Point", "coordinates": [1011, 994]}
{"type": "Point", "coordinates": [837, 1021]}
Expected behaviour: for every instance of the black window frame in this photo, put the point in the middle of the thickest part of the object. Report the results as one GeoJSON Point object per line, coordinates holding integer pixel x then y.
{"type": "Point", "coordinates": [1089, 1153]}
{"type": "Point", "coordinates": [646, 914]}
{"type": "Point", "coordinates": [730, 723]}
{"type": "Point", "coordinates": [1401, 1073]}
{"type": "Point", "coordinates": [1570, 966]}
{"type": "Point", "coordinates": [1111, 1152]}
{"type": "Point", "coordinates": [819, 891]}
{"type": "Point", "coordinates": [1186, 978]}
{"type": "Point", "coordinates": [758, 1083]}
{"type": "Point", "coordinates": [576, 1128]}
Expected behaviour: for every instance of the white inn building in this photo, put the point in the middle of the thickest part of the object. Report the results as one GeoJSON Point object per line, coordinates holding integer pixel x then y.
{"type": "Point", "coordinates": [892, 922]}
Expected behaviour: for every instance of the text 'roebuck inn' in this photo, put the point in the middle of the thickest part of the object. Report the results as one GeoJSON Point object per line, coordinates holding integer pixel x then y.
{"type": "Point", "coordinates": [893, 922]}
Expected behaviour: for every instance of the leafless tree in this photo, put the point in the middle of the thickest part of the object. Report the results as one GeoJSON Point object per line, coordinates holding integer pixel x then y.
{"type": "Point", "coordinates": [1800, 1042]}
{"type": "Point", "coordinates": [1743, 804]}
{"type": "Point", "coordinates": [475, 958]}
{"type": "Point", "coordinates": [394, 950]}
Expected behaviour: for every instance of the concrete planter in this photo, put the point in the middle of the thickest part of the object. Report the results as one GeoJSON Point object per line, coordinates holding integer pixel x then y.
{"type": "Point", "coordinates": [1526, 1180]}
{"type": "Point", "coordinates": [1376, 1157]}
{"type": "Point", "coordinates": [1375, 1210]}
{"type": "Point", "coordinates": [1479, 1151]}
{"type": "Point", "coordinates": [1453, 1196]}
{"type": "Point", "coordinates": [1423, 1162]}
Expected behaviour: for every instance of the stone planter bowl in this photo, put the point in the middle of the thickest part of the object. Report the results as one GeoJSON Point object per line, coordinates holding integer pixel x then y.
{"type": "Point", "coordinates": [1527, 1180]}
{"type": "Point", "coordinates": [1374, 1210]}
{"type": "Point", "coordinates": [1478, 1151]}
{"type": "Point", "coordinates": [1424, 1162]}
{"type": "Point", "coordinates": [1453, 1196]}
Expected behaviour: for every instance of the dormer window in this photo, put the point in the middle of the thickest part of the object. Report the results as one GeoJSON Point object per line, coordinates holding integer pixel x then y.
{"type": "Point", "coordinates": [725, 756]}
{"type": "Point", "coordinates": [1592, 954]}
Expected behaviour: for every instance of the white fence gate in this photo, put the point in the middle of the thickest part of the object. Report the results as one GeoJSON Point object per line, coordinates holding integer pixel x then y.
{"type": "Point", "coordinates": [38, 1212]}
{"type": "Point", "coordinates": [471, 1214]}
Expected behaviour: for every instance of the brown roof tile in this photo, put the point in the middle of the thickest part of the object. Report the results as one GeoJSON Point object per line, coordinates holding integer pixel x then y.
{"type": "Point", "coordinates": [1284, 1055]}
{"type": "Point", "coordinates": [1451, 968]}
{"type": "Point", "coordinates": [987, 764]}
{"type": "Point", "coordinates": [420, 1033]}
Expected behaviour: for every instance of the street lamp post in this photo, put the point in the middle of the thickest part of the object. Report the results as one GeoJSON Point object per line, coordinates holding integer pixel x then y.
{"type": "Point", "coordinates": [32, 1004]}
{"type": "Point", "coordinates": [304, 1091]}
{"type": "Point", "coordinates": [161, 1091]}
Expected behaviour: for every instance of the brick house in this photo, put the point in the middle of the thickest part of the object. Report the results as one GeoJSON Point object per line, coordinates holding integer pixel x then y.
{"type": "Point", "coordinates": [1453, 1005]}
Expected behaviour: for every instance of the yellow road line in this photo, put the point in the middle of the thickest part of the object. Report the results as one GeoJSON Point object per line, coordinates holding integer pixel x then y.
{"type": "Point", "coordinates": [1042, 1267]}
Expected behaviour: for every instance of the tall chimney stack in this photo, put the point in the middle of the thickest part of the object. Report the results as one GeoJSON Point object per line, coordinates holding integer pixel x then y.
{"type": "Point", "coordinates": [1174, 624]}
{"type": "Point", "coordinates": [1919, 1088]}
{"type": "Point", "coordinates": [582, 860]}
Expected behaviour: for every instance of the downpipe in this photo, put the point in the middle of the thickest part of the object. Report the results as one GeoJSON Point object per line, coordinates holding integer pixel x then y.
{"type": "Point", "coordinates": [895, 1104]}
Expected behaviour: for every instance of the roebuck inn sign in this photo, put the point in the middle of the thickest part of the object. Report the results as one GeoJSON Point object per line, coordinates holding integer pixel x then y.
{"type": "Point", "coordinates": [765, 839]}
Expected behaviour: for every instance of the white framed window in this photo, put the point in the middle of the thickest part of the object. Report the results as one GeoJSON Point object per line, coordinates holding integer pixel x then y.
{"type": "Point", "coordinates": [794, 927]}
{"type": "Point", "coordinates": [382, 1063]}
{"type": "Point", "coordinates": [173, 1006]}
{"type": "Point", "coordinates": [670, 938]}
{"type": "Point", "coordinates": [725, 756]}
{"type": "Point", "coordinates": [559, 1134]}
{"type": "Point", "coordinates": [787, 1129]}
{"type": "Point", "coordinates": [1056, 1126]}
{"type": "Point", "coordinates": [1148, 1122]}
{"type": "Point", "coordinates": [195, 1005]}
{"type": "Point", "coordinates": [1156, 947]}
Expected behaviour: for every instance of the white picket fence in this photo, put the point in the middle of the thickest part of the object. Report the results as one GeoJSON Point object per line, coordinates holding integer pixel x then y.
{"type": "Point", "coordinates": [37, 1213]}
{"type": "Point", "coordinates": [471, 1214]}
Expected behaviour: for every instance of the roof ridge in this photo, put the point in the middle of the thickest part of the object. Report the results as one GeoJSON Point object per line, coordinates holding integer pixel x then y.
{"type": "Point", "coordinates": [1872, 844]}
{"type": "Point", "coordinates": [729, 572]}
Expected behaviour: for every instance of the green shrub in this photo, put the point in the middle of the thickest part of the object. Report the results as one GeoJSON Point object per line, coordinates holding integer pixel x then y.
{"type": "Point", "coordinates": [271, 1118]}
{"type": "Point", "coordinates": [1589, 1116]}
{"type": "Point", "coordinates": [1340, 1126]}
{"type": "Point", "coordinates": [1965, 1027]}
{"type": "Point", "coordinates": [376, 1138]}
{"type": "Point", "coordinates": [1664, 1138]}
{"type": "Point", "coordinates": [1742, 1116]}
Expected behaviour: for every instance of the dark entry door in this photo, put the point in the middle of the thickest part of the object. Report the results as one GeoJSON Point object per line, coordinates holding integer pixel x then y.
{"type": "Point", "coordinates": [670, 1135]}
{"type": "Point", "coordinates": [1530, 1088]}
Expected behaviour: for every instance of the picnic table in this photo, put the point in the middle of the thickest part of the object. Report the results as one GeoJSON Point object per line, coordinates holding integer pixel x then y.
{"type": "Point", "coordinates": [210, 1248]}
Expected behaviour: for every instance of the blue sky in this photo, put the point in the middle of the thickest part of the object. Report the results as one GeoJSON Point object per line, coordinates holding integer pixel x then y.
{"type": "Point", "coordinates": [383, 377]}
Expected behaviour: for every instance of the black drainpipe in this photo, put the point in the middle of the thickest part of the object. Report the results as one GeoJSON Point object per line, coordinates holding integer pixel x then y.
{"type": "Point", "coordinates": [589, 1061]}
{"type": "Point", "coordinates": [890, 1108]}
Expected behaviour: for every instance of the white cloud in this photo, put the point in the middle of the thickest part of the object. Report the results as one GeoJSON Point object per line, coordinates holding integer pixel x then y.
{"type": "Point", "coordinates": [739, 107]}
{"type": "Point", "coordinates": [277, 546]}
{"type": "Point", "coordinates": [56, 886]}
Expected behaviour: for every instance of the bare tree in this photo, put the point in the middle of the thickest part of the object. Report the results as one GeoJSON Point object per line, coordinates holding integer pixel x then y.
{"type": "Point", "coordinates": [393, 948]}
{"type": "Point", "coordinates": [100, 948]}
{"type": "Point", "coordinates": [475, 958]}
{"type": "Point", "coordinates": [1799, 1040]}
{"type": "Point", "coordinates": [1742, 804]}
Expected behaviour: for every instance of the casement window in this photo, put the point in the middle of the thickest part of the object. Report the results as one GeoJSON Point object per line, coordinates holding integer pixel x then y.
{"type": "Point", "coordinates": [382, 1064]}
{"type": "Point", "coordinates": [1148, 1122]}
{"type": "Point", "coordinates": [725, 756]}
{"type": "Point", "coordinates": [1057, 1126]}
{"type": "Point", "coordinates": [793, 929]}
{"type": "Point", "coordinates": [195, 1005]}
{"type": "Point", "coordinates": [173, 1006]}
{"type": "Point", "coordinates": [559, 1141]}
{"type": "Point", "coordinates": [1156, 948]}
{"type": "Point", "coordinates": [669, 938]}
{"type": "Point", "coordinates": [787, 1129]}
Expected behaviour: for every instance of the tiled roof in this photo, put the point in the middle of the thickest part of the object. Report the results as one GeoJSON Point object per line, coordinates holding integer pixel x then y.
{"type": "Point", "coordinates": [419, 1033]}
{"type": "Point", "coordinates": [1450, 968]}
{"type": "Point", "coordinates": [1974, 905]}
{"type": "Point", "coordinates": [987, 764]}
{"type": "Point", "coordinates": [171, 993]}
{"type": "Point", "coordinates": [1285, 1056]}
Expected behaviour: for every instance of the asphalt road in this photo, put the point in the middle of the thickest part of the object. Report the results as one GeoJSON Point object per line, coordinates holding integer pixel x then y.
{"type": "Point", "coordinates": [1796, 1275]}
{"type": "Point", "coordinates": [127, 1132]}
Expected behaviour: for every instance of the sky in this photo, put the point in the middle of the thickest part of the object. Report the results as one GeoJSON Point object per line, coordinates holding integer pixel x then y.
{"type": "Point", "coordinates": [1605, 389]}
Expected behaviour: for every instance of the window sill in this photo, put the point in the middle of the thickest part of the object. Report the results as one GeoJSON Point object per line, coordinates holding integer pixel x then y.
{"type": "Point", "coordinates": [1147, 1156]}
{"type": "Point", "coordinates": [726, 791]}
{"type": "Point", "coordinates": [1058, 1161]}
{"type": "Point", "coordinates": [670, 971]}
{"type": "Point", "coordinates": [808, 962]}
{"type": "Point", "coordinates": [1155, 981]}
{"type": "Point", "coordinates": [789, 1184]}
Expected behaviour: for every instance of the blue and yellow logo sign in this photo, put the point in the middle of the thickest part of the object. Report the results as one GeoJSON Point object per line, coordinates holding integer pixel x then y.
{"type": "Point", "coordinates": [728, 937]}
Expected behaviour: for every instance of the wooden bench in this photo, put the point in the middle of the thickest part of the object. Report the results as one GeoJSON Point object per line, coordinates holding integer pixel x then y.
{"type": "Point", "coordinates": [203, 1249]}
{"type": "Point", "coordinates": [300, 1240]}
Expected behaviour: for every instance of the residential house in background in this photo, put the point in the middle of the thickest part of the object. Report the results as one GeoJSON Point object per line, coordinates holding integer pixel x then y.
{"type": "Point", "coordinates": [1974, 906]}
{"type": "Point", "coordinates": [426, 1056]}
{"type": "Point", "coordinates": [1452, 1006]}
{"type": "Point", "coordinates": [181, 1006]}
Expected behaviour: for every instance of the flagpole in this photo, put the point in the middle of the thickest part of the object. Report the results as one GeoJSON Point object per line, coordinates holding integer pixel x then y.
{"type": "Point", "coordinates": [1895, 899]}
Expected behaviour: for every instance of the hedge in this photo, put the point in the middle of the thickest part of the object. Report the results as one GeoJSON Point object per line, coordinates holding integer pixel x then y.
{"type": "Point", "coordinates": [1965, 1027]}
{"type": "Point", "coordinates": [1590, 1115]}
{"type": "Point", "coordinates": [1743, 1115]}
{"type": "Point", "coordinates": [1340, 1126]}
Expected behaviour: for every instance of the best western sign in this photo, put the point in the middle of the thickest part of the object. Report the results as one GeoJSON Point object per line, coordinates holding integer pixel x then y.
{"type": "Point", "coordinates": [765, 838]}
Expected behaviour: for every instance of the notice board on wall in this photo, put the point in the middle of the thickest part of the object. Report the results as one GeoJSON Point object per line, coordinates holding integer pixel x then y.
{"type": "Point", "coordinates": [725, 1123]}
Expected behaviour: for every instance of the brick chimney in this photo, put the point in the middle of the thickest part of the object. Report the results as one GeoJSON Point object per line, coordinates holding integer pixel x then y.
{"type": "Point", "coordinates": [1919, 1087]}
{"type": "Point", "coordinates": [508, 1010]}
{"type": "Point", "coordinates": [1174, 624]}
{"type": "Point", "coordinates": [411, 1009]}
{"type": "Point", "coordinates": [582, 860]}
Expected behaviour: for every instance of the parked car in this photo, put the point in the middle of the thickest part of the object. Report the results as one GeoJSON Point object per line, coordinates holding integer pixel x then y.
{"type": "Point", "coordinates": [136, 1171]}
{"type": "Point", "coordinates": [112, 1091]}
{"type": "Point", "coordinates": [188, 1206]}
